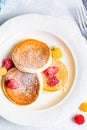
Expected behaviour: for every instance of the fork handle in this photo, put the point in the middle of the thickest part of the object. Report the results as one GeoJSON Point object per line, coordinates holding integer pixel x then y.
{"type": "Point", "coordinates": [85, 3]}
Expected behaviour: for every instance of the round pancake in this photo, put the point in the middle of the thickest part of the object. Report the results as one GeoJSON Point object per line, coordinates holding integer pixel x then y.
{"type": "Point", "coordinates": [32, 56]}
{"type": "Point", "coordinates": [28, 90]}
{"type": "Point", "coordinates": [61, 75]}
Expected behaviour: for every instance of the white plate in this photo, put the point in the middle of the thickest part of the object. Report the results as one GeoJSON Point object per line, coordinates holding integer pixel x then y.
{"type": "Point", "coordinates": [50, 108]}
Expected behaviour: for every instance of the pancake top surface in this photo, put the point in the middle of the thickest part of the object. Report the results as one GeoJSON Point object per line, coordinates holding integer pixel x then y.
{"type": "Point", "coordinates": [28, 89]}
{"type": "Point", "coordinates": [31, 54]}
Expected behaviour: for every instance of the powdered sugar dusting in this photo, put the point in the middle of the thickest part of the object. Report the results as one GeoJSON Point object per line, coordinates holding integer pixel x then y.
{"type": "Point", "coordinates": [29, 85]}
{"type": "Point", "coordinates": [32, 55]}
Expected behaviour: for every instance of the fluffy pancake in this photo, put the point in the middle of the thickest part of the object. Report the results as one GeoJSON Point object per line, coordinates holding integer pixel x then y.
{"type": "Point", "coordinates": [28, 90]}
{"type": "Point", "coordinates": [32, 56]}
{"type": "Point", "coordinates": [62, 76]}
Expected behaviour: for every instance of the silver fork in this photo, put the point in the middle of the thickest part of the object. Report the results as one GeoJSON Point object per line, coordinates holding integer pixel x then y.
{"type": "Point", "coordinates": [82, 19]}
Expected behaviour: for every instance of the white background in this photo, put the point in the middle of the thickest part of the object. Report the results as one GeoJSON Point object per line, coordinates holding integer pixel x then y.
{"type": "Point", "coordinates": [63, 9]}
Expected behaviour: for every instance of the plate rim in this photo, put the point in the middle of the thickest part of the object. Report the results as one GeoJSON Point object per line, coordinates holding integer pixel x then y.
{"type": "Point", "coordinates": [34, 15]}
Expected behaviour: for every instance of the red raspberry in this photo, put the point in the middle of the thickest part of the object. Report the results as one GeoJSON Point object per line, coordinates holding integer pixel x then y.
{"type": "Point", "coordinates": [7, 63]}
{"type": "Point", "coordinates": [53, 81]}
{"type": "Point", "coordinates": [12, 84]}
{"type": "Point", "coordinates": [79, 119]}
{"type": "Point", "coordinates": [51, 71]}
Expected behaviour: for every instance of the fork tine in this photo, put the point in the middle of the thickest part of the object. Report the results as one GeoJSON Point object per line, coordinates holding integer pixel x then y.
{"type": "Point", "coordinates": [79, 18]}
{"type": "Point", "coordinates": [82, 17]}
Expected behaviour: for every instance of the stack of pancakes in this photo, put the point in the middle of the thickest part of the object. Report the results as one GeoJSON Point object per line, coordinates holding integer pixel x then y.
{"type": "Point", "coordinates": [31, 58]}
